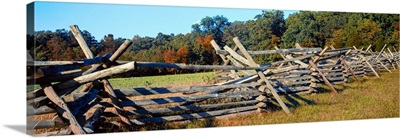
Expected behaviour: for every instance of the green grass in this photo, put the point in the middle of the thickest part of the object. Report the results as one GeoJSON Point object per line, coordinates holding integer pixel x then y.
{"type": "Point", "coordinates": [156, 81]}
{"type": "Point", "coordinates": [373, 98]}
{"type": "Point", "coordinates": [163, 81]}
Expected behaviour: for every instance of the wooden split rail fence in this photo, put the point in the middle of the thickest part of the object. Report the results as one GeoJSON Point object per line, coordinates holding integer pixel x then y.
{"type": "Point", "coordinates": [79, 101]}
{"type": "Point", "coordinates": [309, 67]}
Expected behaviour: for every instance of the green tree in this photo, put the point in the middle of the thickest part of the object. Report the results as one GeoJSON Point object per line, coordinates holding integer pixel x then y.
{"type": "Point", "coordinates": [38, 54]}
{"type": "Point", "coordinates": [238, 29]}
{"type": "Point", "coordinates": [266, 24]}
{"type": "Point", "coordinates": [329, 24]}
{"type": "Point", "coordinates": [302, 26]}
{"type": "Point", "coordinates": [368, 31]}
{"type": "Point", "coordinates": [384, 21]}
{"type": "Point", "coordinates": [275, 21]}
{"type": "Point", "coordinates": [214, 26]}
{"type": "Point", "coordinates": [337, 39]}
{"type": "Point", "coordinates": [141, 43]}
{"type": "Point", "coordinates": [108, 44]}
{"type": "Point", "coordinates": [395, 37]}
{"type": "Point", "coordinates": [354, 40]}
{"type": "Point", "coordinates": [379, 44]}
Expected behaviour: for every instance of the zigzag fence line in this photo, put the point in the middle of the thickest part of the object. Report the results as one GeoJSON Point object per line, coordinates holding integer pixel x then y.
{"type": "Point", "coordinates": [245, 87]}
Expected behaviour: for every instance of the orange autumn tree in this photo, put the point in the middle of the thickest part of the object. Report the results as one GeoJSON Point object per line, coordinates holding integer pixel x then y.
{"type": "Point", "coordinates": [205, 42]}
{"type": "Point", "coordinates": [208, 56]}
{"type": "Point", "coordinates": [170, 56]}
{"type": "Point", "coordinates": [183, 54]}
{"type": "Point", "coordinates": [55, 46]}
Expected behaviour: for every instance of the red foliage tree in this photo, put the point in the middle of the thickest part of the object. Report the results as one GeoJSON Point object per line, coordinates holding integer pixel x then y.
{"type": "Point", "coordinates": [170, 56]}
{"type": "Point", "coordinates": [205, 42]}
{"type": "Point", "coordinates": [183, 54]}
{"type": "Point", "coordinates": [56, 47]}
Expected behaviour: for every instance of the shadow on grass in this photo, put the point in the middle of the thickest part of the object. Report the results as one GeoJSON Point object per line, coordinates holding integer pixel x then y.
{"type": "Point", "coordinates": [325, 89]}
{"type": "Point", "coordinates": [292, 101]}
{"type": "Point", "coordinates": [295, 99]}
{"type": "Point", "coordinates": [309, 102]}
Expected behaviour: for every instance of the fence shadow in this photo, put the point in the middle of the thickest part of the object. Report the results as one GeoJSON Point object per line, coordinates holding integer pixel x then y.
{"type": "Point", "coordinates": [293, 102]}
{"type": "Point", "coordinates": [309, 102]}
{"type": "Point", "coordinates": [295, 99]}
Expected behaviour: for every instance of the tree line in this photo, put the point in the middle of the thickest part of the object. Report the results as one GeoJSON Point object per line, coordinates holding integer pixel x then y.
{"type": "Point", "coordinates": [266, 30]}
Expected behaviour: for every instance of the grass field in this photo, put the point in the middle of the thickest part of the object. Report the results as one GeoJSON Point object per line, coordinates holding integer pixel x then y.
{"type": "Point", "coordinates": [373, 98]}
{"type": "Point", "coordinates": [164, 81]}
{"type": "Point", "coordinates": [156, 81]}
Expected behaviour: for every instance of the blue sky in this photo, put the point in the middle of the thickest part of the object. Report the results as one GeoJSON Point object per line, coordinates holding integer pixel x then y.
{"type": "Point", "coordinates": [128, 20]}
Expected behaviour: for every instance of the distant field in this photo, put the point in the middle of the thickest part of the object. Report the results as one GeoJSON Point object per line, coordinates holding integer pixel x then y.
{"type": "Point", "coordinates": [374, 98]}
{"type": "Point", "coordinates": [164, 81]}
{"type": "Point", "coordinates": [157, 81]}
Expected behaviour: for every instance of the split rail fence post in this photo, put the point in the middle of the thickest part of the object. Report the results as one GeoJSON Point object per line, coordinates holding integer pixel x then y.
{"type": "Point", "coordinates": [107, 86]}
{"type": "Point", "coordinates": [345, 65]}
{"type": "Point", "coordinates": [52, 95]}
{"type": "Point", "coordinates": [224, 58]}
{"type": "Point", "coordinates": [313, 83]}
{"type": "Point", "coordinates": [314, 66]}
{"type": "Point", "coordinates": [261, 75]}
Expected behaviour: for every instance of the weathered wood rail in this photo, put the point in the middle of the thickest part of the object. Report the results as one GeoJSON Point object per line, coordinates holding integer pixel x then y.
{"type": "Point", "coordinates": [76, 100]}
